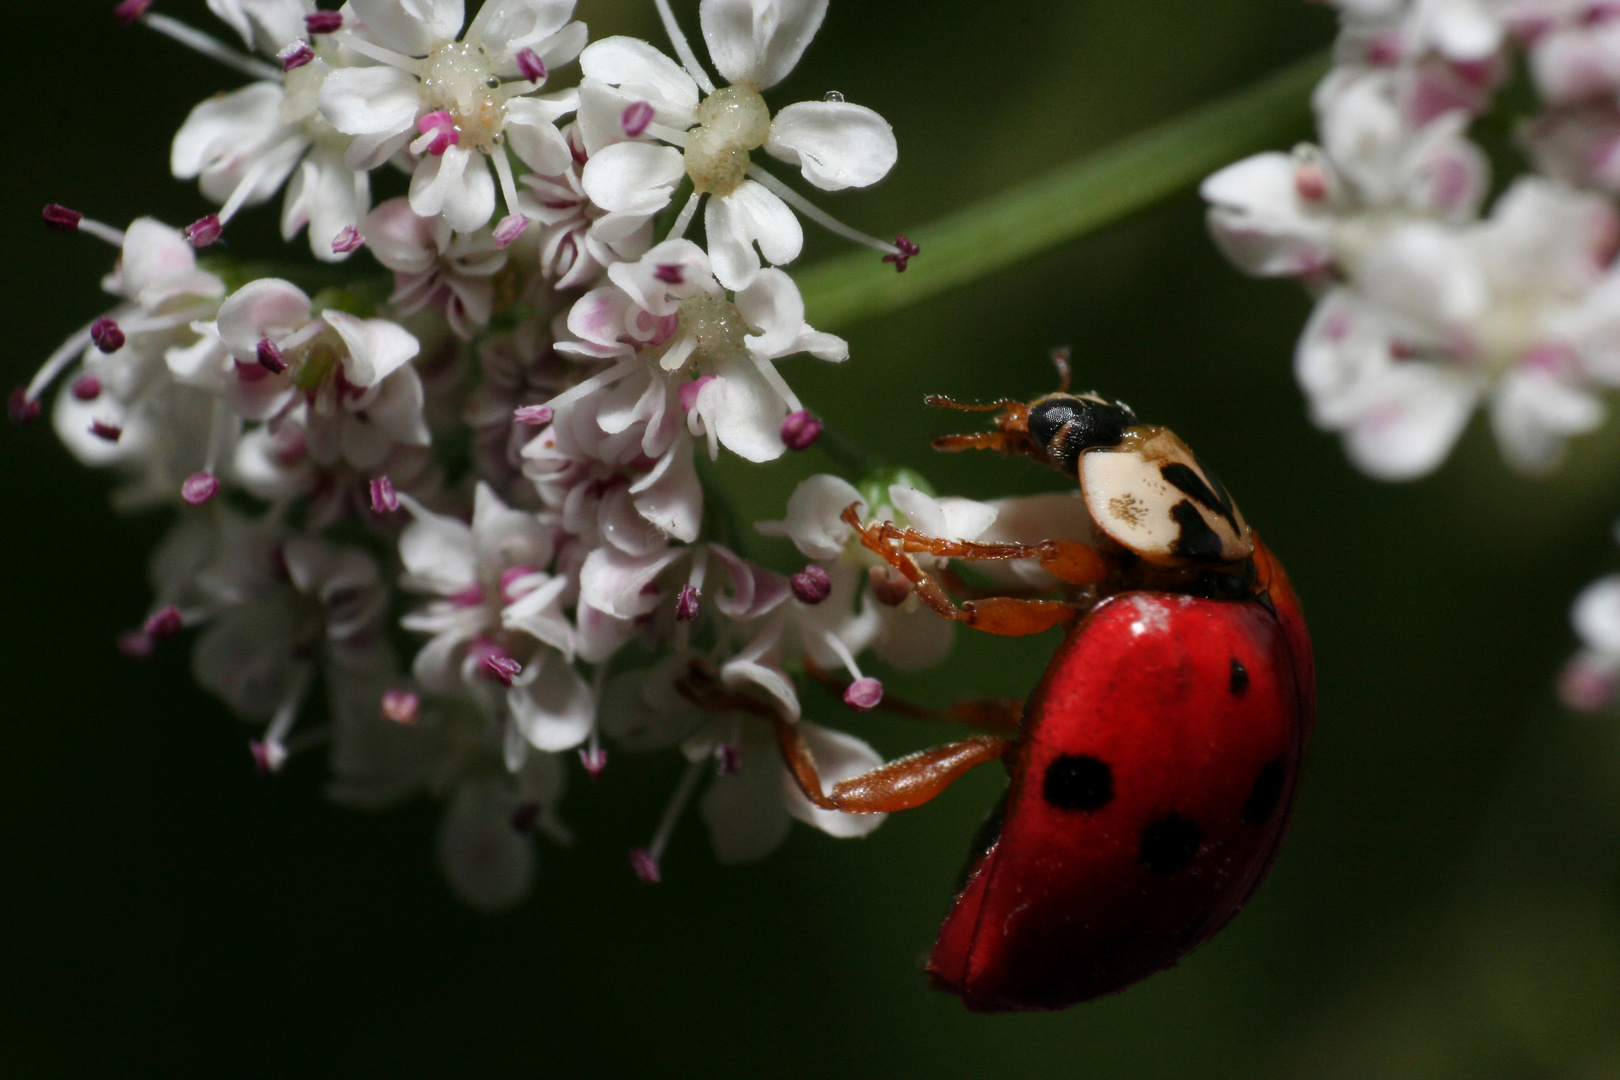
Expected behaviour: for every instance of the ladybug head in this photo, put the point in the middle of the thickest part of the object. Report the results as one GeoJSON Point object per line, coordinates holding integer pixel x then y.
{"type": "Point", "coordinates": [1067, 425]}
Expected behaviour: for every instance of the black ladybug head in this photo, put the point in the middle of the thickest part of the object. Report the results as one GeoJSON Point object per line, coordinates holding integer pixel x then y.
{"type": "Point", "coordinates": [1065, 425]}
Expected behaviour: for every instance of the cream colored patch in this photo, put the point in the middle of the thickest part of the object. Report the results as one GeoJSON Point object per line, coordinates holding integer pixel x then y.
{"type": "Point", "coordinates": [1133, 504]}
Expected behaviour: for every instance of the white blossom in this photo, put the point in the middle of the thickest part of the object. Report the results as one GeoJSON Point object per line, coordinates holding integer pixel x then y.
{"type": "Point", "coordinates": [648, 122]}
{"type": "Point", "coordinates": [459, 102]}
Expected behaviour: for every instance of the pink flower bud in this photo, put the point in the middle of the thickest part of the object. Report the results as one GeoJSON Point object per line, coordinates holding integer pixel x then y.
{"type": "Point", "coordinates": [21, 407]}
{"type": "Point", "coordinates": [106, 430]}
{"type": "Point", "coordinates": [163, 623]}
{"type": "Point", "coordinates": [811, 585]}
{"type": "Point", "coordinates": [129, 12]}
{"type": "Point", "coordinates": [442, 127]}
{"type": "Point", "coordinates": [635, 118]}
{"type": "Point", "coordinates": [136, 644]}
{"type": "Point", "coordinates": [530, 66]}
{"type": "Point", "coordinates": [689, 392]}
{"type": "Point", "coordinates": [268, 757]}
{"type": "Point", "coordinates": [106, 335]}
{"type": "Point", "coordinates": [502, 668]}
{"type": "Point", "coordinates": [904, 252]}
{"type": "Point", "coordinates": [645, 864]}
{"type": "Point", "coordinates": [686, 606]}
{"type": "Point", "coordinates": [199, 487]}
{"type": "Point", "coordinates": [384, 499]}
{"type": "Point", "coordinates": [401, 706]}
{"type": "Point", "coordinates": [61, 219]}
{"type": "Point", "coordinates": [349, 239]}
{"type": "Point", "coordinates": [205, 231]}
{"type": "Point", "coordinates": [511, 227]}
{"type": "Point", "coordinates": [270, 358]}
{"type": "Point", "coordinates": [533, 415]}
{"type": "Point", "coordinates": [801, 430]}
{"type": "Point", "coordinates": [864, 694]}
{"type": "Point", "coordinates": [295, 55]}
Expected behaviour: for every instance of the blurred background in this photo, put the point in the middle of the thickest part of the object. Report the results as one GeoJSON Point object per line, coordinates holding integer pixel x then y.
{"type": "Point", "coordinates": [1447, 904]}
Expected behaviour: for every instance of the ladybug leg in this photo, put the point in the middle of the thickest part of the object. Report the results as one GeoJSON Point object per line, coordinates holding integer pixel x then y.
{"type": "Point", "coordinates": [898, 785]}
{"type": "Point", "coordinates": [1069, 561]}
{"type": "Point", "coordinates": [999, 441]}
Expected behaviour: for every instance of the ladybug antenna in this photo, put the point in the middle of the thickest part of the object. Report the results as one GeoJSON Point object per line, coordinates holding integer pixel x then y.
{"type": "Point", "coordinates": [940, 401]}
{"type": "Point", "coordinates": [1060, 360]}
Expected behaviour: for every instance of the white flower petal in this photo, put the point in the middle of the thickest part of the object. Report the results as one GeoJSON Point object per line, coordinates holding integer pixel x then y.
{"type": "Point", "coordinates": [265, 308]}
{"type": "Point", "coordinates": [439, 553]}
{"type": "Point", "coordinates": [733, 225]}
{"type": "Point", "coordinates": [1533, 412]}
{"type": "Point", "coordinates": [812, 520]}
{"type": "Point", "coordinates": [1596, 615]}
{"type": "Point", "coordinates": [757, 42]}
{"type": "Point", "coordinates": [456, 184]}
{"type": "Point", "coordinates": [532, 133]}
{"type": "Point", "coordinates": [1259, 220]}
{"type": "Point", "coordinates": [642, 73]}
{"type": "Point", "coordinates": [554, 707]}
{"type": "Point", "coordinates": [836, 144]}
{"type": "Point", "coordinates": [633, 177]}
{"type": "Point", "coordinates": [838, 757]}
{"type": "Point", "coordinates": [412, 27]}
{"type": "Point", "coordinates": [377, 347]}
{"type": "Point", "coordinates": [744, 412]}
{"type": "Point", "coordinates": [505, 26]}
{"type": "Point", "coordinates": [371, 100]}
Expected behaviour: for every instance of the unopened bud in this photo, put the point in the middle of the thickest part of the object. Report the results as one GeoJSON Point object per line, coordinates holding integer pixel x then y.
{"type": "Point", "coordinates": [811, 585]}
{"type": "Point", "coordinates": [106, 335]}
{"type": "Point", "coordinates": [801, 430]}
{"type": "Point", "coordinates": [863, 694]}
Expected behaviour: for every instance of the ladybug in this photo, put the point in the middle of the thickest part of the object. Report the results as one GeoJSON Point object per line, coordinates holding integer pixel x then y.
{"type": "Point", "coordinates": [1154, 767]}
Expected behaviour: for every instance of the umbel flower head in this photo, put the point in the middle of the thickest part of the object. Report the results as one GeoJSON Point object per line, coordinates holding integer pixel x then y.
{"type": "Point", "coordinates": [452, 482]}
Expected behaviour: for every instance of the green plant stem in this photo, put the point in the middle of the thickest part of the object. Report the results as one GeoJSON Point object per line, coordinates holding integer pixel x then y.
{"type": "Point", "coordinates": [1067, 202]}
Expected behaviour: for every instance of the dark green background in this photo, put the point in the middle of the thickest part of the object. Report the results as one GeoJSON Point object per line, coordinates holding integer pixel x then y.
{"type": "Point", "coordinates": [1447, 905]}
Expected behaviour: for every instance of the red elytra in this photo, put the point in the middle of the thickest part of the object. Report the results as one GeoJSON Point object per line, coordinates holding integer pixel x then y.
{"type": "Point", "coordinates": [1151, 787]}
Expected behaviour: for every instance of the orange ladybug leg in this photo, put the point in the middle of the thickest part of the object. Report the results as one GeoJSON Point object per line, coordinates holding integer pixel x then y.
{"type": "Point", "coordinates": [1066, 560]}
{"type": "Point", "coordinates": [1000, 441]}
{"type": "Point", "coordinates": [898, 785]}
{"type": "Point", "coordinates": [1006, 615]}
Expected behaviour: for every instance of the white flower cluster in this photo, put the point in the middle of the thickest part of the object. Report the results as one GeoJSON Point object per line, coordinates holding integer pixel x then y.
{"type": "Point", "coordinates": [1427, 303]}
{"type": "Point", "coordinates": [467, 511]}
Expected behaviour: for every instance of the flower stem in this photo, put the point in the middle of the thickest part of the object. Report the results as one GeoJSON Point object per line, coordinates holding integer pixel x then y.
{"type": "Point", "coordinates": [1066, 203]}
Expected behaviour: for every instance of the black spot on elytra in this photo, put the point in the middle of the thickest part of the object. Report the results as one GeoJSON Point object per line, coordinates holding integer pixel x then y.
{"type": "Point", "coordinates": [1240, 677]}
{"type": "Point", "coordinates": [1066, 426]}
{"type": "Point", "coordinates": [1196, 539]}
{"type": "Point", "coordinates": [1170, 843]}
{"type": "Point", "coordinates": [1078, 782]}
{"type": "Point", "coordinates": [1266, 793]}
